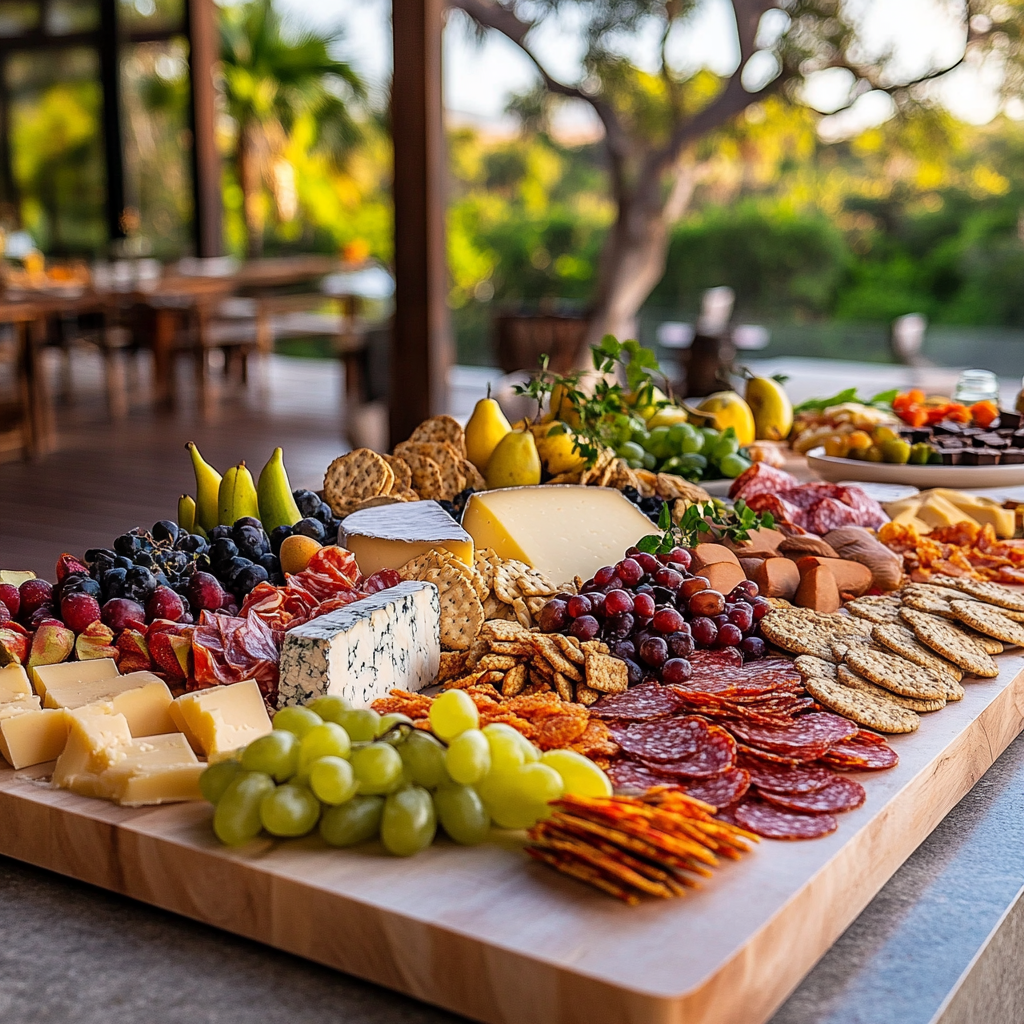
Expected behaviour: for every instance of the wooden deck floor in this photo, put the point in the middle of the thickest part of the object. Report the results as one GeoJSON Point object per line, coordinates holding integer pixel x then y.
{"type": "Point", "coordinates": [106, 478]}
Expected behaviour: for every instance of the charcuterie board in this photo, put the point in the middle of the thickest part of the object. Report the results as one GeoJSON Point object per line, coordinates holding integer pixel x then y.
{"type": "Point", "coordinates": [487, 934]}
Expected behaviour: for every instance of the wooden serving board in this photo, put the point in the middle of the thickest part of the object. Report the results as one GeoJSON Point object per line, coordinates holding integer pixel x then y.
{"type": "Point", "coordinates": [489, 934]}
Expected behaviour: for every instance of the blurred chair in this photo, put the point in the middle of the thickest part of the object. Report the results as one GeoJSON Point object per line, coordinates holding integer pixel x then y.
{"type": "Point", "coordinates": [15, 412]}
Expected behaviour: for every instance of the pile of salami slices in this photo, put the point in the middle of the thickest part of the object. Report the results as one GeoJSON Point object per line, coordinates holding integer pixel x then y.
{"type": "Point", "coordinates": [747, 740]}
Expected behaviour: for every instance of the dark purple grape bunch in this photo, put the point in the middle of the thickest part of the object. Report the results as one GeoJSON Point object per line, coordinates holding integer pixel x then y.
{"type": "Point", "coordinates": [654, 613]}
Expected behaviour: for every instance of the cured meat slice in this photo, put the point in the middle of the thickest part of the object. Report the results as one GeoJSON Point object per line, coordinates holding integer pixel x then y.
{"type": "Point", "coordinates": [838, 796]}
{"type": "Point", "coordinates": [754, 754]}
{"type": "Point", "coordinates": [782, 510]}
{"type": "Point", "coordinates": [639, 704]}
{"type": "Point", "coordinates": [778, 823]}
{"type": "Point", "coordinates": [830, 514]}
{"type": "Point", "coordinates": [819, 730]}
{"type": "Point", "coordinates": [869, 512]}
{"type": "Point", "coordinates": [628, 775]}
{"type": "Point", "coordinates": [715, 660]}
{"type": "Point", "coordinates": [716, 754]}
{"type": "Point", "coordinates": [720, 790]}
{"type": "Point", "coordinates": [669, 739]}
{"type": "Point", "coordinates": [760, 479]}
{"type": "Point", "coordinates": [786, 779]}
{"type": "Point", "coordinates": [861, 757]}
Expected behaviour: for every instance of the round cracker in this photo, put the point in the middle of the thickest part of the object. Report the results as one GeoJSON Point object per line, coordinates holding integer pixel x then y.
{"type": "Point", "coordinates": [948, 640]}
{"type": "Point", "coordinates": [403, 474]}
{"type": "Point", "coordinates": [442, 428]}
{"type": "Point", "coordinates": [848, 677]}
{"type": "Point", "coordinates": [474, 478]}
{"type": "Point", "coordinates": [356, 475]}
{"type": "Point", "coordinates": [426, 476]}
{"type": "Point", "coordinates": [863, 708]}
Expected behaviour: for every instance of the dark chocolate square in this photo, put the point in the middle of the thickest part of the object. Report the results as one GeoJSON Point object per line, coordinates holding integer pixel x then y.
{"type": "Point", "coordinates": [1011, 456]}
{"type": "Point", "coordinates": [1009, 419]}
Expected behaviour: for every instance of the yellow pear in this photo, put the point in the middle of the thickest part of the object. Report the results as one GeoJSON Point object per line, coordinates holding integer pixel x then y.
{"type": "Point", "coordinates": [514, 462]}
{"type": "Point", "coordinates": [772, 409]}
{"type": "Point", "coordinates": [729, 410]}
{"type": "Point", "coordinates": [650, 405]}
{"type": "Point", "coordinates": [561, 407]}
{"type": "Point", "coordinates": [486, 427]}
{"type": "Point", "coordinates": [667, 417]}
{"type": "Point", "coordinates": [556, 447]}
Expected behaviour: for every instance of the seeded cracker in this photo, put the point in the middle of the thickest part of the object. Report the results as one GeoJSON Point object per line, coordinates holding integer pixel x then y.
{"type": "Point", "coordinates": [808, 665]}
{"type": "Point", "coordinates": [357, 475]}
{"type": "Point", "coordinates": [874, 610]}
{"type": "Point", "coordinates": [993, 593]}
{"type": "Point", "coordinates": [473, 476]}
{"type": "Point", "coordinates": [988, 620]}
{"type": "Point", "coordinates": [848, 677]}
{"type": "Point", "coordinates": [949, 641]}
{"type": "Point", "coordinates": [403, 474]}
{"type": "Point", "coordinates": [862, 708]}
{"type": "Point", "coordinates": [443, 429]}
{"type": "Point", "coordinates": [928, 603]}
{"type": "Point", "coordinates": [896, 674]}
{"type": "Point", "coordinates": [944, 593]}
{"type": "Point", "coordinates": [606, 674]}
{"type": "Point", "coordinates": [897, 637]}
{"type": "Point", "coordinates": [426, 476]}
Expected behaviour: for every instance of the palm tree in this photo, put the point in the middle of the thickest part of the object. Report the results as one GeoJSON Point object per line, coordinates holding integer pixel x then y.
{"type": "Point", "coordinates": [273, 76]}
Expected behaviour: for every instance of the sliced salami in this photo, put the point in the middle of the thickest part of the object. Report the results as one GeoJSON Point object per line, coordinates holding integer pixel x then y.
{"type": "Point", "coordinates": [838, 796]}
{"type": "Point", "coordinates": [763, 755]}
{"type": "Point", "coordinates": [818, 730]}
{"type": "Point", "coordinates": [861, 757]}
{"type": "Point", "coordinates": [721, 790]}
{"type": "Point", "coordinates": [760, 478]}
{"type": "Point", "coordinates": [716, 754]}
{"type": "Point", "coordinates": [778, 823]}
{"type": "Point", "coordinates": [639, 704]}
{"type": "Point", "coordinates": [667, 739]}
{"type": "Point", "coordinates": [712, 661]}
{"type": "Point", "coordinates": [830, 514]}
{"type": "Point", "coordinates": [634, 777]}
{"type": "Point", "coordinates": [786, 779]}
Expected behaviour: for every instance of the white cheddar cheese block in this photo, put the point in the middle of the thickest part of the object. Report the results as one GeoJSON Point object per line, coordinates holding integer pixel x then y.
{"type": "Point", "coordinates": [386, 641]}
{"type": "Point", "coordinates": [146, 704]}
{"type": "Point", "coordinates": [96, 740]}
{"type": "Point", "coordinates": [219, 720]}
{"type": "Point", "coordinates": [29, 735]}
{"type": "Point", "coordinates": [561, 530]}
{"type": "Point", "coordinates": [71, 673]}
{"type": "Point", "coordinates": [154, 770]}
{"type": "Point", "coordinates": [387, 536]}
{"type": "Point", "coordinates": [14, 683]}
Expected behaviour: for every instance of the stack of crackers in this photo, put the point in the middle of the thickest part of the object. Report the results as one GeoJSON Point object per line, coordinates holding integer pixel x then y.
{"type": "Point", "coordinates": [610, 471]}
{"type": "Point", "coordinates": [898, 656]}
{"type": "Point", "coordinates": [491, 588]}
{"type": "Point", "coordinates": [513, 661]}
{"type": "Point", "coordinates": [431, 465]}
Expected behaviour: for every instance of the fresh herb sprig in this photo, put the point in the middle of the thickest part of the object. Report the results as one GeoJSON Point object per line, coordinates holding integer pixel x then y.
{"type": "Point", "coordinates": [704, 521]}
{"type": "Point", "coordinates": [883, 400]}
{"type": "Point", "coordinates": [599, 413]}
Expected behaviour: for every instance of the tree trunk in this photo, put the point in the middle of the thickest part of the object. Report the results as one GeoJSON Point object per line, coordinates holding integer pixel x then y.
{"type": "Point", "coordinates": [250, 180]}
{"type": "Point", "coordinates": [634, 255]}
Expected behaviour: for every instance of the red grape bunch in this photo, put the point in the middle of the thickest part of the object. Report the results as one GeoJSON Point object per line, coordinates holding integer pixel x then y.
{"type": "Point", "coordinates": [653, 613]}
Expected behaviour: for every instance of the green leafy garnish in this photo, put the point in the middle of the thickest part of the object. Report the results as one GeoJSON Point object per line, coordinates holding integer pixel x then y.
{"type": "Point", "coordinates": [883, 400]}
{"type": "Point", "coordinates": [705, 521]}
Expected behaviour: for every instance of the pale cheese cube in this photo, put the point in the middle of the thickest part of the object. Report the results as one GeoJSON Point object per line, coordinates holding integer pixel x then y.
{"type": "Point", "coordinates": [146, 705]}
{"type": "Point", "coordinates": [154, 770]}
{"type": "Point", "coordinates": [386, 641]}
{"type": "Point", "coordinates": [29, 735]}
{"type": "Point", "coordinates": [219, 720]}
{"type": "Point", "coordinates": [96, 740]}
{"type": "Point", "coordinates": [388, 536]}
{"type": "Point", "coordinates": [71, 695]}
{"type": "Point", "coordinates": [14, 683]}
{"type": "Point", "coordinates": [71, 673]}
{"type": "Point", "coordinates": [561, 530]}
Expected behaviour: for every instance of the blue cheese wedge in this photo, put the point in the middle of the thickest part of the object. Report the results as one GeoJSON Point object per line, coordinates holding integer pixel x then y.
{"type": "Point", "coordinates": [360, 652]}
{"type": "Point", "coordinates": [387, 536]}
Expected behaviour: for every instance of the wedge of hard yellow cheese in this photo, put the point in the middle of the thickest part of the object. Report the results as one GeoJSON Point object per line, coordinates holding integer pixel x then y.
{"type": "Point", "coordinates": [561, 530]}
{"type": "Point", "coordinates": [941, 507]}
{"type": "Point", "coordinates": [219, 720]}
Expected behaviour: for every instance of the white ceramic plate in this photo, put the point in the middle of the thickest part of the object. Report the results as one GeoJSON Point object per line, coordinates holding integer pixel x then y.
{"type": "Point", "coordinates": [883, 492]}
{"type": "Point", "coordinates": [831, 468]}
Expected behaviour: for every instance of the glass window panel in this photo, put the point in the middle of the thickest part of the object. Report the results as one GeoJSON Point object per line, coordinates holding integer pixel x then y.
{"type": "Point", "coordinates": [18, 17]}
{"type": "Point", "coordinates": [56, 149]}
{"type": "Point", "coordinates": [152, 14]}
{"type": "Point", "coordinates": [158, 145]}
{"type": "Point", "coordinates": [66, 16]}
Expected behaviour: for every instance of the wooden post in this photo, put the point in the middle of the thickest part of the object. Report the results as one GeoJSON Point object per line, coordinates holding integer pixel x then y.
{"type": "Point", "coordinates": [204, 48]}
{"type": "Point", "coordinates": [421, 348]}
{"type": "Point", "coordinates": [110, 78]}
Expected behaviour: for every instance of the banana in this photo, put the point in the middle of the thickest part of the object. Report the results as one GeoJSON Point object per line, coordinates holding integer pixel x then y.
{"type": "Point", "coordinates": [277, 506]}
{"type": "Point", "coordinates": [187, 513]}
{"type": "Point", "coordinates": [208, 482]}
{"type": "Point", "coordinates": [237, 496]}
